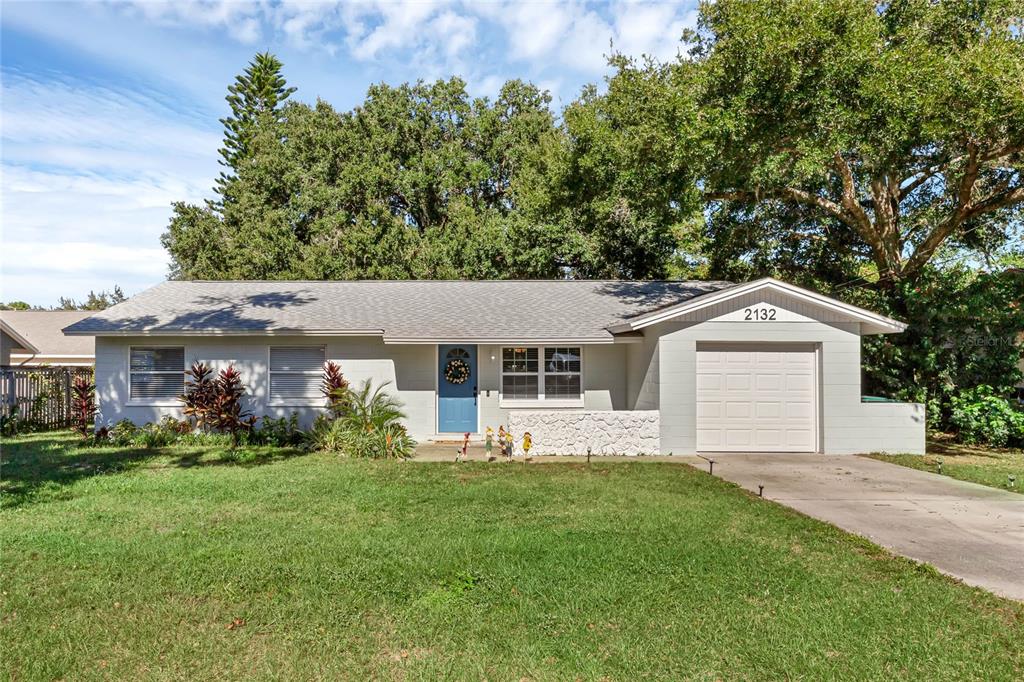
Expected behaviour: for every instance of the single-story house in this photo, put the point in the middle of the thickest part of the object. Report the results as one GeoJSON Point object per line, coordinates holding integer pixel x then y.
{"type": "Point", "coordinates": [33, 338]}
{"type": "Point", "coordinates": [614, 366]}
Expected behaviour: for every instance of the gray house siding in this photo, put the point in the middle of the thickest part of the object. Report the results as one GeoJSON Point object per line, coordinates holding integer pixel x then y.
{"type": "Point", "coordinates": [409, 368]}
{"type": "Point", "coordinates": [604, 382]}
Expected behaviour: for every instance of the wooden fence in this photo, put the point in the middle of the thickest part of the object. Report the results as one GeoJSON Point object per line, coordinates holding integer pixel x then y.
{"type": "Point", "coordinates": [42, 394]}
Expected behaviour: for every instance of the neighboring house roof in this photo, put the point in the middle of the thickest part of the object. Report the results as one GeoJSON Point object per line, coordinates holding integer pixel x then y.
{"type": "Point", "coordinates": [17, 340]}
{"type": "Point", "coordinates": [39, 332]}
{"type": "Point", "coordinates": [400, 311]}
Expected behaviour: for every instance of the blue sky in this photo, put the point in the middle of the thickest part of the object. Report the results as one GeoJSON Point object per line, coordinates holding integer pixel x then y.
{"type": "Point", "coordinates": [110, 109]}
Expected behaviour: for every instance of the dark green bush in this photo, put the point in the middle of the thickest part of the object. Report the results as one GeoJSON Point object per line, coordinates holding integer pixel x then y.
{"type": "Point", "coordinates": [982, 416]}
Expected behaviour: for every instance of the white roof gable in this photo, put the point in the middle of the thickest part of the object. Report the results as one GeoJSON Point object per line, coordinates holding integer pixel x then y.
{"type": "Point", "coordinates": [871, 323]}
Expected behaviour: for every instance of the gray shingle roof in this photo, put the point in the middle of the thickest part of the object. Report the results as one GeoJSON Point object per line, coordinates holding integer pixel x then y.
{"type": "Point", "coordinates": [399, 310]}
{"type": "Point", "coordinates": [42, 328]}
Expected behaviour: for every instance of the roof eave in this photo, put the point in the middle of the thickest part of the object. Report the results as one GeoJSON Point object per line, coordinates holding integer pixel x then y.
{"type": "Point", "coordinates": [21, 340]}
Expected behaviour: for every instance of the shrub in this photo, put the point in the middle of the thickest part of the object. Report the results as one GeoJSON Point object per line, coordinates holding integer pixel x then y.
{"type": "Point", "coordinates": [9, 422]}
{"type": "Point", "coordinates": [981, 416]}
{"type": "Point", "coordinates": [281, 432]}
{"type": "Point", "coordinates": [217, 403]}
{"type": "Point", "coordinates": [161, 434]}
{"type": "Point", "coordinates": [83, 406]}
{"type": "Point", "coordinates": [200, 395]}
{"type": "Point", "coordinates": [370, 426]}
{"type": "Point", "coordinates": [335, 388]}
{"type": "Point", "coordinates": [228, 415]}
{"type": "Point", "coordinates": [123, 433]}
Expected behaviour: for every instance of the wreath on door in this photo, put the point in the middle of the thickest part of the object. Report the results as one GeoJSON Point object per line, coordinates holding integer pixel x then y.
{"type": "Point", "coordinates": [456, 371]}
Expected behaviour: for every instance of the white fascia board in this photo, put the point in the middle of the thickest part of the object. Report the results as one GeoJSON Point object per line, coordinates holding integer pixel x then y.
{"type": "Point", "coordinates": [878, 323]}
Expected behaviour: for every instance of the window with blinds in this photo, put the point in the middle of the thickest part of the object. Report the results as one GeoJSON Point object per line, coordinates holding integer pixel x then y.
{"type": "Point", "coordinates": [558, 377]}
{"type": "Point", "coordinates": [296, 373]}
{"type": "Point", "coordinates": [156, 373]}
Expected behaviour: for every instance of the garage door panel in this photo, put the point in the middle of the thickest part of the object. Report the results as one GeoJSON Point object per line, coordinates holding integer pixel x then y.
{"type": "Point", "coordinates": [756, 400]}
{"type": "Point", "coordinates": [799, 383]}
{"type": "Point", "coordinates": [737, 410]}
{"type": "Point", "coordinates": [739, 438]}
{"type": "Point", "coordinates": [768, 382]}
{"type": "Point", "coordinates": [799, 440]}
{"type": "Point", "coordinates": [709, 409]}
{"type": "Point", "coordinates": [737, 382]}
{"type": "Point", "coordinates": [709, 382]}
{"type": "Point", "coordinates": [799, 411]}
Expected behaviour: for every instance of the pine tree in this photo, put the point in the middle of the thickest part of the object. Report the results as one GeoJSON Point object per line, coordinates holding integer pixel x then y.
{"type": "Point", "coordinates": [257, 92]}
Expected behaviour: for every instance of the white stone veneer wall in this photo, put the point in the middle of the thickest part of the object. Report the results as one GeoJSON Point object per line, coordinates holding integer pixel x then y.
{"type": "Point", "coordinates": [572, 432]}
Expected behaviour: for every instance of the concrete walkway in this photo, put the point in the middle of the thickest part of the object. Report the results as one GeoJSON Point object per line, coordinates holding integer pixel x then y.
{"type": "Point", "coordinates": [966, 530]}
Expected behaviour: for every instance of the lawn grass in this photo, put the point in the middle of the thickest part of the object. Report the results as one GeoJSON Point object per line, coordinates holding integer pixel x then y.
{"type": "Point", "coordinates": [188, 564]}
{"type": "Point", "coordinates": [978, 464]}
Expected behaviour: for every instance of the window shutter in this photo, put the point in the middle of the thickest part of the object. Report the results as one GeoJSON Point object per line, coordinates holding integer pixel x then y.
{"type": "Point", "coordinates": [297, 359]}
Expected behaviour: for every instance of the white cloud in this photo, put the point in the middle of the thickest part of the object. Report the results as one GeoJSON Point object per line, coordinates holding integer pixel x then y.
{"type": "Point", "coordinates": [89, 174]}
{"type": "Point", "coordinates": [574, 32]}
{"type": "Point", "coordinates": [241, 20]}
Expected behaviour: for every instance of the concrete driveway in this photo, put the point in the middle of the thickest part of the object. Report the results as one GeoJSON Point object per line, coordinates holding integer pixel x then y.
{"type": "Point", "coordinates": [969, 531]}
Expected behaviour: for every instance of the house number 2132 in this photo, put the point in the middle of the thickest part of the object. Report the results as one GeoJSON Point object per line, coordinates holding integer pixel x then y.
{"type": "Point", "coordinates": [759, 314]}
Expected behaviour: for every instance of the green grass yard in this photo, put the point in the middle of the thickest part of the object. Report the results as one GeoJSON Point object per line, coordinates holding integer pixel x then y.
{"type": "Point", "coordinates": [978, 464]}
{"type": "Point", "coordinates": [266, 564]}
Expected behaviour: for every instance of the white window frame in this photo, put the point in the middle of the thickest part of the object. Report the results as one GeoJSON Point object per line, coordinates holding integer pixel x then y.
{"type": "Point", "coordinates": [541, 399]}
{"type": "Point", "coordinates": [154, 402]}
{"type": "Point", "coordinates": [320, 401]}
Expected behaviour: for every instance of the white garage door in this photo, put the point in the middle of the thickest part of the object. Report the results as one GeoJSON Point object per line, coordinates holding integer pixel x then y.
{"type": "Point", "coordinates": [756, 399]}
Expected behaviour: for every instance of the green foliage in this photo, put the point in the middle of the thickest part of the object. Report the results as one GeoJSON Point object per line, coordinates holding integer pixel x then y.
{"type": "Point", "coordinates": [280, 432]}
{"type": "Point", "coordinates": [421, 181]}
{"type": "Point", "coordinates": [15, 305]}
{"type": "Point", "coordinates": [255, 98]}
{"type": "Point", "coordinates": [983, 416]}
{"type": "Point", "coordinates": [9, 422]}
{"type": "Point", "coordinates": [963, 332]}
{"type": "Point", "coordinates": [94, 301]}
{"type": "Point", "coordinates": [371, 426]}
{"type": "Point", "coordinates": [800, 108]}
{"type": "Point", "coordinates": [168, 431]}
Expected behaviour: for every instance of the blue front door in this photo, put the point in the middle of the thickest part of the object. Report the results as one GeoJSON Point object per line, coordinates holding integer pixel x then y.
{"type": "Point", "coordinates": [456, 389]}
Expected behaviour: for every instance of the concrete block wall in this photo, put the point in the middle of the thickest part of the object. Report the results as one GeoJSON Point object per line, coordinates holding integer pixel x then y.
{"type": "Point", "coordinates": [572, 432]}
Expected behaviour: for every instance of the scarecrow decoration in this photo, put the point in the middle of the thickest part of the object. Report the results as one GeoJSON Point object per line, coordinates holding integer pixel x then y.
{"type": "Point", "coordinates": [489, 444]}
{"type": "Point", "coordinates": [527, 444]}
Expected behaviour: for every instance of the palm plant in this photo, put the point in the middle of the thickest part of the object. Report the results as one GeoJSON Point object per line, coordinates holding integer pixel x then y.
{"type": "Point", "coordinates": [369, 427]}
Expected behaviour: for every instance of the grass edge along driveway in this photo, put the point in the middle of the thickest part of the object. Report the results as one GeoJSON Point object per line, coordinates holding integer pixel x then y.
{"type": "Point", "coordinates": [264, 564]}
{"type": "Point", "coordinates": [987, 466]}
